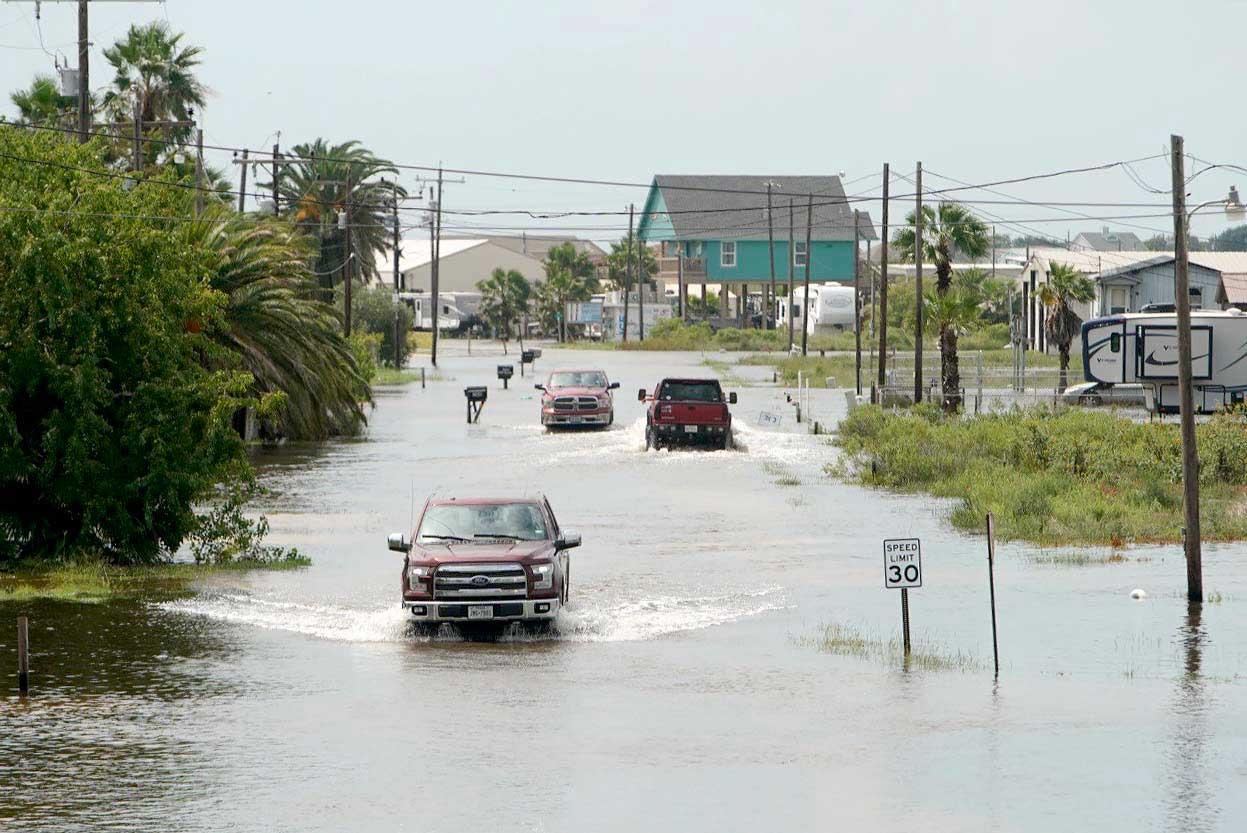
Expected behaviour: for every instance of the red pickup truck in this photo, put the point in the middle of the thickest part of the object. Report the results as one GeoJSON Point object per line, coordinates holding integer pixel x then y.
{"type": "Point", "coordinates": [486, 561]}
{"type": "Point", "coordinates": [687, 412]}
{"type": "Point", "coordinates": [572, 398]}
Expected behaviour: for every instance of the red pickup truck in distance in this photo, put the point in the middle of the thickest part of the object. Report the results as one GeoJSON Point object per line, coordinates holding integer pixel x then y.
{"type": "Point", "coordinates": [485, 562]}
{"type": "Point", "coordinates": [577, 398]}
{"type": "Point", "coordinates": [688, 412]}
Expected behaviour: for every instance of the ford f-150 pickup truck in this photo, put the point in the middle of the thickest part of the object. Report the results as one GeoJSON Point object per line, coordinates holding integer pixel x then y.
{"type": "Point", "coordinates": [572, 398]}
{"type": "Point", "coordinates": [687, 412]}
{"type": "Point", "coordinates": [486, 560]}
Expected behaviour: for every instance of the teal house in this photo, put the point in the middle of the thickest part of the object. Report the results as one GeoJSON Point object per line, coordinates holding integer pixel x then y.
{"type": "Point", "coordinates": [713, 230]}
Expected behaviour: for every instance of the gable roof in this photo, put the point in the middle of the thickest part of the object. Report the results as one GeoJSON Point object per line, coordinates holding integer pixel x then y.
{"type": "Point", "coordinates": [733, 207]}
{"type": "Point", "coordinates": [1112, 241]}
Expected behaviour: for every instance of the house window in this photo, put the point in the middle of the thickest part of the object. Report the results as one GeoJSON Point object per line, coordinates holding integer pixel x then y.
{"type": "Point", "coordinates": [727, 254]}
{"type": "Point", "coordinates": [799, 254]}
{"type": "Point", "coordinates": [1197, 298]}
{"type": "Point", "coordinates": [1116, 300]}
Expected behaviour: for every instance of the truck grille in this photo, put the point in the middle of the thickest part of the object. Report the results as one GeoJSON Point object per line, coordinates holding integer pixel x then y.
{"type": "Point", "coordinates": [480, 581]}
{"type": "Point", "coordinates": [576, 403]}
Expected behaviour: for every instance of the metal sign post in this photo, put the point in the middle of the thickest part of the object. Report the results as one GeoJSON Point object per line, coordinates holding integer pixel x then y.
{"type": "Point", "coordinates": [991, 584]}
{"type": "Point", "coordinates": [902, 569]}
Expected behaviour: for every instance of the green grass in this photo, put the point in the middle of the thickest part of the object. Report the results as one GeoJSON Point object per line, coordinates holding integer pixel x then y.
{"type": "Point", "coordinates": [1069, 478]}
{"type": "Point", "coordinates": [394, 376]}
{"type": "Point", "coordinates": [96, 581]}
{"type": "Point", "coordinates": [842, 368]}
{"type": "Point", "coordinates": [850, 641]}
{"type": "Point", "coordinates": [1077, 559]}
{"type": "Point", "coordinates": [782, 474]}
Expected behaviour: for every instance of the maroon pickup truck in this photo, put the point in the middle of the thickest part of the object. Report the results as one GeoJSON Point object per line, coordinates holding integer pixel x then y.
{"type": "Point", "coordinates": [688, 412]}
{"type": "Point", "coordinates": [577, 398]}
{"type": "Point", "coordinates": [486, 561]}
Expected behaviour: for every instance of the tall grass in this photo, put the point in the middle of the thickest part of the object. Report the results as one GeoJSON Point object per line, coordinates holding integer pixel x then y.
{"type": "Point", "coordinates": [850, 641]}
{"type": "Point", "coordinates": [1074, 477]}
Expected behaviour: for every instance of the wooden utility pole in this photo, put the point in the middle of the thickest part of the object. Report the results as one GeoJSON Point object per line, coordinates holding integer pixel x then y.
{"type": "Point", "coordinates": [346, 263]}
{"type": "Point", "coordinates": [242, 182]}
{"type": "Point", "coordinates": [199, 170]}
{"type": "Point", "coordinates": [437, 251]}
{"type": "Point", "coordinates": [679, 276]}
{"type": "Point", "coordinates": [883, 287]}
{"type": "Point", "coordinates": [792, 267]}
{"type": "Point", "coordinates": [397, 241]}
{"type": "Point", "coordinates": [398, 329]}
{"type": "Point", "coordinates": [642, 279]}
{"type": "Point", "coordinates": [137, 162]}
{"type": "Point", "coordinates": [628, 273]}
{"type": "Point", "coordinates": [84, 76]}
{"type": "Point", "coordinates": [857, 302]}
{"type": "Point", "coordinates": [1186, 403]}
{"type": "Point", "coordinates": [770, 239]}
{"type": "Point", "coordinates": [918, 286]}
{"type": "Point", "coordinates": [809, 262]}
{"type": "Point", "coordinates": [276, 178]}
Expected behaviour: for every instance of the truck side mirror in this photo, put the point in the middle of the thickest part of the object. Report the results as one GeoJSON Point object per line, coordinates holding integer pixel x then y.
{"type": "Point", "coordinates": [612, 386]}
{"type": "Point", "coordinates": [398, 542]}
{"type": "Point", "coordinates": [540, 387]}
{"type": "Point", "coordinates": [731, 397]}
{"type": "Point", "coordinates": [567, 540]}
{"type": "Point", "coordinates": [640, 395]}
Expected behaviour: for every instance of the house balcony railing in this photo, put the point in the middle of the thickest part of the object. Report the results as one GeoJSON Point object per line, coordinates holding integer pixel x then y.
{"type": "Point", "coordinates": [669, 268]}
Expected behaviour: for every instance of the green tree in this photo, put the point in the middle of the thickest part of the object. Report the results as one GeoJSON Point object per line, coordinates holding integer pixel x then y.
{"type": "Point", "coordinates": [313, 194]}
{"type": "Point", "coordinates": [42, 104]}
{"type": "Point", "coordinates": [374, 310]}
{"type": "Point", "coordinates": [155, 76]}
{"type": "Point", "coordinates": [552, 296]}
{"type": "Point", "coordinates": [1065, 285]}
{"type": "Point", "coordinates": [946, 228]}
{"type": "Point", "coordinates": [111, 423]}
{"type": "Point", "coordinates": [993, 294]}
{"type": "Point", "coordinates": [1231, 240]}
{"type": "Point", "coordinates": [953, 312]}
{"type": "Point", "coordinates": [274, 324]}
{"type": "Point", "coordinates": [504, 300]}
{"type": "Point", "coordinates": [565, 258]}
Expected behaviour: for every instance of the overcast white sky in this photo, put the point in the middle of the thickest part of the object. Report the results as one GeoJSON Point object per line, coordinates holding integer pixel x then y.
{"type": "Point", "coordinates": [977, 90]}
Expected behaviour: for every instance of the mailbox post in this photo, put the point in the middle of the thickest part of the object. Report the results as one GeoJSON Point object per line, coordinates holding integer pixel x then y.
{"type": "Point", "coordinates": [505, 372]}
{"type": "Point", "coordinates": [476, 396]}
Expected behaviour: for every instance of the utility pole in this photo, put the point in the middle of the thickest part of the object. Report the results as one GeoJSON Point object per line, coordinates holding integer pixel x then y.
{"type": "Point", "coordinates": [84, 76]}
{"type": "Point", "coordinates": [397, 240]}
{"type": "Point", "coordinates": [397, 318]}
{"type": "Point", "coordinates": [199, 169]}
{"type": "Point", "coordinates": [809, 262]}
{"type": "Point", "coordinates": [1190, 458]}
{"type": "Point", "coordinates": [437, 251]}
{"type": "Point", "coordinates": [642, 280]}
{"type": "Point", "coordinates": [276, 178]}
{"type": "Point", "coordinates": [346, 263]}
{"type": "Point", "coordinates": [857, 302]}
{"type": "Point", "coordinates": [883, 288]}
{"type": "Point", "coordinates": [918, 286]}
{"type": "Point", "coordinates": [792, 267]}
{"type": "Point", "coordinates": [242, 182]}
{"type": "Point", "coordinates": [137, 162]}
{"type": "Point", "coordinates": [770, 240]}
{"type": "Point", "coordinates": [682, 298]}
{"type": "Point", "coordinates": [628, 273]}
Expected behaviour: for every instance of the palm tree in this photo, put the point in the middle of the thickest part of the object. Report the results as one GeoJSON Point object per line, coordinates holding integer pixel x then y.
{"type": "Point", "coordinates": [1065, 285]}
{"type": "Point", "coordinates": [504, 298]}
{"type": "Point", "coordinates": [954, 312]}
{"type": "Point", "coordinates": [276, 327]}
{"type": "Point", "coordinates": [947, 229]}
{"type": "Point", "coordinates": [552, 297]}
{"type": "Point", "coordinates": [155, 76]}
{"type": "Point", "coordinates": [313, 193]}
{"type": "Point", "coordinates": [42, 104]}
{"type": "Point", "coordinates": [565, 258]}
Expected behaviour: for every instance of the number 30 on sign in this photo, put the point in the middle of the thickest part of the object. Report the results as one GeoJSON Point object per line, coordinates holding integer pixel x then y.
{"type": "Point", "coordinates": [902, 563]}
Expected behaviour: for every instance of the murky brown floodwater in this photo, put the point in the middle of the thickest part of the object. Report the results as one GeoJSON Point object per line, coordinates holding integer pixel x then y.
{"type": "Point", "coordinates": [676, 696]}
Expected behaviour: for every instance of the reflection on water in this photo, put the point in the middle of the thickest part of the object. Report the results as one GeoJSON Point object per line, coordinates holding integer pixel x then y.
{"type": "Point", "coordinates": [1191, 804]}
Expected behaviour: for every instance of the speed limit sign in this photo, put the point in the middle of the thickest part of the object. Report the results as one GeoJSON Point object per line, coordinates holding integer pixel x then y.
{"type": "Point", "coordinates": [902, 563]}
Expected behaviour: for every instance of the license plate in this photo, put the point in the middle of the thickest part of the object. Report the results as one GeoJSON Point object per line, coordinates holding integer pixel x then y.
{"type": "Point", "coordinates": [480, 611]}
{"type": "Point", "coordinates": [576, 420]}
{"type": "Point", "coordinates": [690, 429]}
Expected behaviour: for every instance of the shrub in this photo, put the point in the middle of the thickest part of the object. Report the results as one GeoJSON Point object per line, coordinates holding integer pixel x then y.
{"type": "Point", "coordinates": [373, 311]}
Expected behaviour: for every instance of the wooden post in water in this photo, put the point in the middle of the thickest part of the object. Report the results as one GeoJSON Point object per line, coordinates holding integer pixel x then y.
{"type": "Point", "coordinates": [23, 656]}
{"type": "Point", "coordinates": [991, 584]}
{"type": "Point", "coordinates": [905, 618]}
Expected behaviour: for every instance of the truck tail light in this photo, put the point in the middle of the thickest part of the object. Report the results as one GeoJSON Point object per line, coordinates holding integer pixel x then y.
{"type": "Point", "coordinates": [665, 410]}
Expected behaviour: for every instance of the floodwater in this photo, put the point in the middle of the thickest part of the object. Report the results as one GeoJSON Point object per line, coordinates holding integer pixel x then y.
{"type": "Point", "coordinates": [680, 692]}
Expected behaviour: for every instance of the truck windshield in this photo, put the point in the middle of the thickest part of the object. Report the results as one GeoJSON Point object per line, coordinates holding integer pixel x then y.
{"type": "Point", "coordinates": [578, 379]}
{"type": "Point", "coordinates": [690, 392]}
{"type": "Point", "coordinates": [469, 522]}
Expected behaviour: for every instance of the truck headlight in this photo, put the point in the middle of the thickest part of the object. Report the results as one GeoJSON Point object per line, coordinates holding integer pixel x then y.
{"type": "Point", "coordinates": [414, 574]}
{"type": "Point", "coordinates": [543, 576]}
{"type": "Point", "coordinates": [604, 400]}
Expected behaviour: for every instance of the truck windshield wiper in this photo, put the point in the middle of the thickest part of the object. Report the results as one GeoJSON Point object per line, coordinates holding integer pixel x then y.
{"type": "Point", "coordinates": [445, 537]}
{"type": "Point", "coordinates": [502, 535]}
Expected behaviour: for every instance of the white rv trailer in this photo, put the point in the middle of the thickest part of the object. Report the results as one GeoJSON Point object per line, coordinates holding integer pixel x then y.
{"type": "Point", "coordinates": [829, 309]}
{"type": "Point", "coordinates": [1142, 348]}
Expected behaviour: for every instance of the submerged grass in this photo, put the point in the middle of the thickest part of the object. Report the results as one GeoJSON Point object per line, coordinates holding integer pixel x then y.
{"type": "Point", "coordinates": [842, 368]}
{"type": "Point", "coordinates": [394, 376]}
{"type": "Point", "coordinates": [97, 581]}
{"type": "Point", "coordinates": [850, 641]}
{"type": "Point", "coordinates": [1069, 478]}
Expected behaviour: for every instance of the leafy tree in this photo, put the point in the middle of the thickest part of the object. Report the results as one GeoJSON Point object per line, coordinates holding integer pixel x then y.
{"type": "Point", "coordinates": [42, 104]}
{"type": "Point", "coordinates": [993, 294]}
{"type": "Point", "coordinates": [373, 310]}
{"type": "Point", "coordinates": [1230, 240]}
{"type": "Point", "coordinates": [1157, 243]}
{"type": "Point", "coordinates": [155, 76]}
{"type": "Point", "coordinates": [552, 296]}
{"type": "Point", "coordinates": [504, 299]}
{"type": "Point", "coordinates": [565, 258]}
{"type": "Point", "coordinates": [1065, 285]}
{"type": "Point", "coordinates": [274, 324]}
{"type": "Point", "coordinates": [946, 228]}
{"type": "Point", "coordinates": [313, 193]}
{"type": "Point", "coordinates": [112, 424]}
{"type": "Point", "coordinates": [699, 310]}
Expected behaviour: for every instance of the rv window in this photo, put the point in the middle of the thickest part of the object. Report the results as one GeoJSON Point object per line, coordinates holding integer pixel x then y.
{"type": "Point", "coordinates": [1114, 343]}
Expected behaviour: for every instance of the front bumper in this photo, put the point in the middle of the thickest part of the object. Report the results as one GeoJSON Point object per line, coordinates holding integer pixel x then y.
{"type": "Point", "coordinates": [576, 417]}
{"type": "Point", "coordinates": [517, 610]}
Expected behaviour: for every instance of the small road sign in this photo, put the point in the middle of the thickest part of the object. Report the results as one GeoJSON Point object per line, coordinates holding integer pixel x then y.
{"type": "Point", "coordinates": [768, 418]}
{"type": "Point", "coordinates": [902, 563]}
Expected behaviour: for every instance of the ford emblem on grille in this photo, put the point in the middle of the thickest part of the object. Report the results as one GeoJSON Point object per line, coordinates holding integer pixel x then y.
{"type": "Point", "coordinates": [480, 581]}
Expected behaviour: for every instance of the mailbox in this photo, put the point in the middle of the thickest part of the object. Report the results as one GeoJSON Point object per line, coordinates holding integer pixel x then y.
{"type": "Point", "coordinates": [476, 396]}
{"type": "Point", "coordinates": [506, 371]}
{"type": "Point", "coordinates": [528, 357]}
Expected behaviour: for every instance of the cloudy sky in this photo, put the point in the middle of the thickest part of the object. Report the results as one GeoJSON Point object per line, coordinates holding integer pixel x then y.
{"type": "Point", "coordinates": [978, 90]}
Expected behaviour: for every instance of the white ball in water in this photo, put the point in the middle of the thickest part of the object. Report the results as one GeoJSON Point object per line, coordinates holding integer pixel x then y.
{"type": "Point", "coordinates": [1138, 593]}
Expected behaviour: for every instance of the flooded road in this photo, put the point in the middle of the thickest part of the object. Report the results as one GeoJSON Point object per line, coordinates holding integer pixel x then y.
{"type": "Point", "coordinates": [683, 689]}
